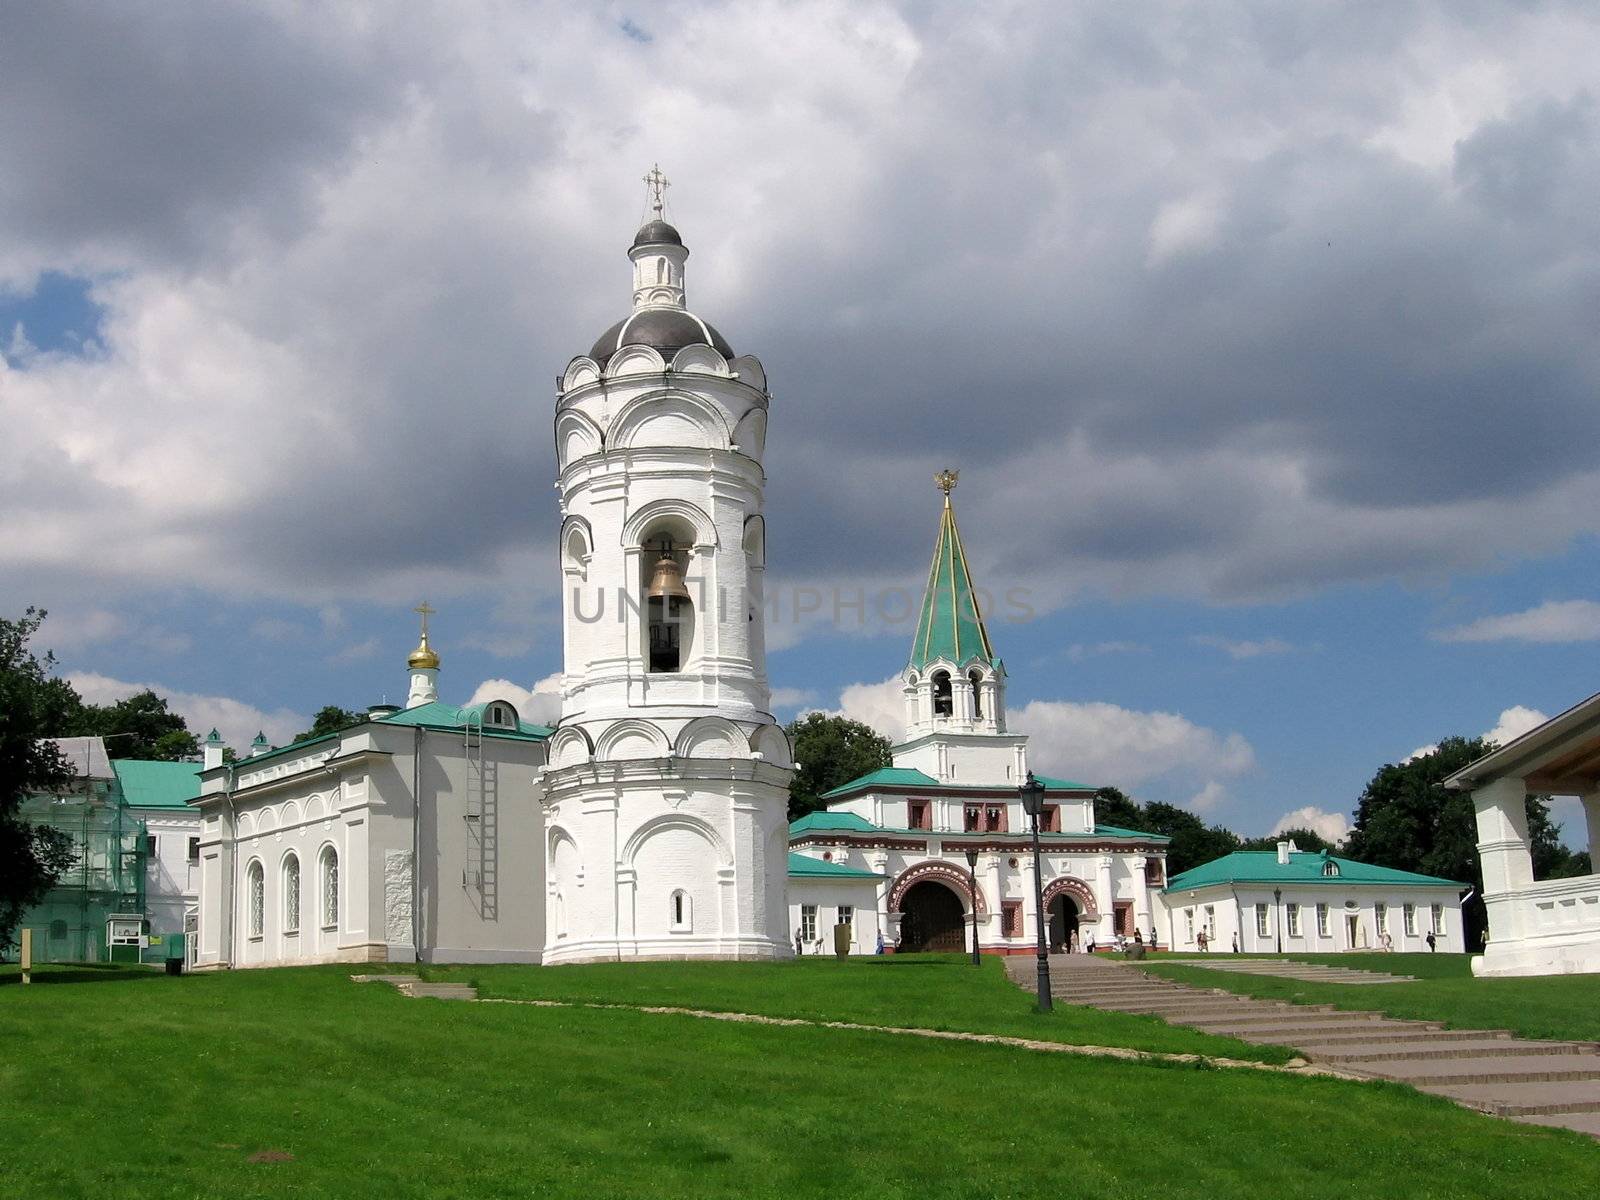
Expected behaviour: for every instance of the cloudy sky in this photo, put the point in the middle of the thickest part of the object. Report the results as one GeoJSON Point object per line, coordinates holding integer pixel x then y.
{"type": "Point", "coordinates": [1263, 336]}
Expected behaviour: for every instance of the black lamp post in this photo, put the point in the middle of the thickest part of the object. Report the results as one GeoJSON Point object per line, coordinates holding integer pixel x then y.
{"type": "Point", "coordinates": [1033, 804]}
{"type": "Point", "coordinates": [1277, 904]}
{"type": "Point", "coordinates": [972, 872]}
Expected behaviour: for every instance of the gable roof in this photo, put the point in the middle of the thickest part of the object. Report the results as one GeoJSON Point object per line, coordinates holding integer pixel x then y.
{"type": "Point", "coordinates": [1303, 867]}
{"type": "Point", "coordinates": [157, 784]}
{"type": "Point", "coordinates": [803, 866]}
{"type": "Point", "coordinates": [950, 627]}
{"type": "Point", "coordinates": [910, 777]}
{"type": "Point", "coordinates": [86, 755]}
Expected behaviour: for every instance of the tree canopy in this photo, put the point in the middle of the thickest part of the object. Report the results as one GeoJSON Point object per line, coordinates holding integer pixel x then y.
{"type": "Point", "coordinates": [33, 704]}
{"type": "Point", "coordinates": [140, 726]}
{"type": "Point", "coordinates": [830, 751]}
{"type": "Point", "coordinates": [330, 718]}
{"type": "Point", "coordinates": [1193, 841]}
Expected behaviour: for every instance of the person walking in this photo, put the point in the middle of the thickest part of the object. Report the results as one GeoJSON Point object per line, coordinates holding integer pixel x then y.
{"type": "Point", "coordinates": [799, 942]}
{"type": "Point", "coordinates": [1433, 944]}
{"type": "Point", "coordinates": [880, 941]}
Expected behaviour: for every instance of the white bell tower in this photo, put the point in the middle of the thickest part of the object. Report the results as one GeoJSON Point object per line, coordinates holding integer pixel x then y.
{"type": "Point", "coordinates": [667, 788]}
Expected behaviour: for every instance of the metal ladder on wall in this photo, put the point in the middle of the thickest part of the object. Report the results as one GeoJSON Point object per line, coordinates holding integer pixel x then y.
{"type": "Point", "coordinates": [481, 814]}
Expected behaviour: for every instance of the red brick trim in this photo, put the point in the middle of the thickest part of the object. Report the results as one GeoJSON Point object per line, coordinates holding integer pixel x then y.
{"type": "Point", "coordinates": [1078, 890]}
{"type": "Point", "coordinates": [952, 876]}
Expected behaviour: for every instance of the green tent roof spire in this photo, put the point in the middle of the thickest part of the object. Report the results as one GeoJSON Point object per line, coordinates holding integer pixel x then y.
{"type": "Point", "coordinates": [951, 626]}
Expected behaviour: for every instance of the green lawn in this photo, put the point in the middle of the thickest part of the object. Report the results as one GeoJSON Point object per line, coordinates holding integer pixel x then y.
{"type": "Point", "coordinates": [1559, 1006]}
{"type": "Point", "coordinates": [922, 991]}
{"type": "Point", "coordinates": [130, 1084]}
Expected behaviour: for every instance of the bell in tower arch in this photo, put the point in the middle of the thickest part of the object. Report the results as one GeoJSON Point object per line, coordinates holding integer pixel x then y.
{"type": "Point", "coordinates": [667, 605]}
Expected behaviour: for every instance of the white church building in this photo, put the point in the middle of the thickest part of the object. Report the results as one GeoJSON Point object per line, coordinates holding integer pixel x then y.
{"type": "Point", "coordinates": [650, 822]}
{"type": "Point", "coordinates": [889, 854]}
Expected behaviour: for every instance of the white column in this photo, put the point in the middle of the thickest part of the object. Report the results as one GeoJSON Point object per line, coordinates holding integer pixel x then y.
{"type": "Point", "coordinates": [1141, 896]}
{"type": "Point", "coordinates": [1106, 897]}
{"type": "Point", "coordinates": [1502, 813]}
{"type": "Point", "coordinates": [1591, 811]}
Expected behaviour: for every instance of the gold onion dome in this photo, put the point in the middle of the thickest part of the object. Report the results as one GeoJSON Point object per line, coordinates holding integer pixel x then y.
{"type": "Point", "coordinates": [423, 657]}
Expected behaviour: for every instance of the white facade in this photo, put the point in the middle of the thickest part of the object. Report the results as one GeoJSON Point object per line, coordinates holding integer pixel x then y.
{"type": "Point", "coordinates": [308, 854]}
{"type": "Point", "coordinates": [667, 788]}
{"type": "Point", "coordinates": [1311, 919]}
{"type": "Point", "coordinates": [172, 872]}
{"type": "Point", "coordinates": [1537, 927]}
{"type": "Point", "coordinates": [954, 788]}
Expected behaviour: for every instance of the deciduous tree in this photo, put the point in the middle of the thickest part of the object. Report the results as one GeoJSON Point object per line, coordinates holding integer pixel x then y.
{"type": "Point", "coordinates": [831, 751]}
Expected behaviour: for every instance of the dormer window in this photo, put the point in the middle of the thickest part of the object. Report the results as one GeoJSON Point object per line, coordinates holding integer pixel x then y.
{"type": "Point", "coordinates": [500, 715]}
{"type": "Point", "coordinates": [1330, 869]}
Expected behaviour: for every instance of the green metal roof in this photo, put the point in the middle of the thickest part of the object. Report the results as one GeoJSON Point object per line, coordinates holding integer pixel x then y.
{"type": "Point", "coordinates": [911, 777]}
{"type": "Point", "coordinates": [950, 627]}
{"type": "Point", "coordinates": [1304, 866]}
{"type": "Point", "coordinates": [157, 784]}
{"type": "Point", "coordinates": [804, 866]}
{"type": "Point", "coordinates": [823, 819]}
{"type": "Point", "coordinates": [1113, 831]}
{"type": "Point", "coordinates": [439, 715]}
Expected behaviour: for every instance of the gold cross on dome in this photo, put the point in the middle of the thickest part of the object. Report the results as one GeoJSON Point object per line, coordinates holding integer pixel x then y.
{"type": "Point", "coordinates": [425, 612]}
{"type": "Point", "coordinates": [945, 481]}
{"type": "Point", "coordinates": [658, 185]}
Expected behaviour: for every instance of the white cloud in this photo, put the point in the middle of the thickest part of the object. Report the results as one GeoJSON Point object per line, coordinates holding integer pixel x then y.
{"type": "Point", "coordinates": [1079, 651]}
{"type": "Point", "coordinates": [1513, 723]}
{"type": "Point", "coordinates": [357, 651]}
{"type": "Point", "coordinates": [792, 697]}
{"type": "Point", "coordinates": [237, 721]}
{"type": "Point", "coordinates": [540, 704]}
{"type": "Point", "coordinates": [1331, 826]}
{"type": "Point", "coordinates": [1243, 649]}
{"type": "Point", "coordinates": [1208, 797]}
{"type": "Point", "coordinates": [1553, 621]}
{"type": "Point", "coordinates": [882, 706]}
{"type": "Point", "coordinates": [1106, 744]}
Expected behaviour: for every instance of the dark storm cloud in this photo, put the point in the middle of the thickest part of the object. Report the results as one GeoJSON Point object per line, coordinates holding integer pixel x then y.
{"type": "Point", "coordinates": [1203, 300]}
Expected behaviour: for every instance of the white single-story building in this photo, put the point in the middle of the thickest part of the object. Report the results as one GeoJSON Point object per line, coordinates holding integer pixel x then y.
{"type": "Point", "coordinates": [1298, 901]}
{"type": "Point", "coordinates": [1537, 926]}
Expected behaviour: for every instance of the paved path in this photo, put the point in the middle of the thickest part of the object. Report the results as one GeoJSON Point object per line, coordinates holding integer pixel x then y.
{"type": "Point", "coordinates": [1540, 1082]}
{"type": "Point", "coordinates": [1305, 972]}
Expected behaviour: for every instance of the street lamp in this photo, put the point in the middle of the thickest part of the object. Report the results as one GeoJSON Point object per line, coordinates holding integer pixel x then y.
{"type": "Point", "coordinates": [972, 871]}
{"type": "Point", "coordinates": [1033, 804]}
{"type": "Point", "coordinates": [1277, 904]}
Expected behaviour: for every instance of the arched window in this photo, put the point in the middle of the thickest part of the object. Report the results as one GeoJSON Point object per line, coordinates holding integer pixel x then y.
{"type": "Point", "coordinates": [669, 612]}
{"type": "Point", "coordinates": [976, 680]}
{"type": "Point", "coordinates": [942, 704]}
{"type": "Point", "coordinates": [500, 715]}
{"type": "Point", "coordinates": [1330, 869]}
{"type": "Point", "coordinates": [256, 892]}
{"type": "Point", "coordinates": [291, 894]}
{"type": "Point", "coordinates": [681, 912]}
{"type": "Point", "coordinates": [330, 888]}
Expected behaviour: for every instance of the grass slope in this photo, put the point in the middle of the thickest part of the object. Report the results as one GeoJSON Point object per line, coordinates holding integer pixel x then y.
{"type": "Point", "coordinates": [921, 991]}
{"type": "Point", "coordinates": [118, 1083]}
{"type": "Point", "coordinates": [1558, 1006]}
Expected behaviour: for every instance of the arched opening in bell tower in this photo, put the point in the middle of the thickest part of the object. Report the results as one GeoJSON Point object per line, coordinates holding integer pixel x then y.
{"type": "Point", "coordinates": [943, 697]}
{"type": "Point", "coordinates": [668, 607]}
{"type": "Point", "coordinates": [975, 678]}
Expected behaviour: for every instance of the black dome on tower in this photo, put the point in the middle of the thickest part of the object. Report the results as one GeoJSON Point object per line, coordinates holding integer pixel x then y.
{"type": "Point", "coordinates": [666, 330]}
{"type": "Point", "coordinates": [657, 233]}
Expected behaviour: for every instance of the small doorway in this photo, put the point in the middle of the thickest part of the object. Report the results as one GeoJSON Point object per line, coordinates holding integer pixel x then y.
{"type": "Point", "coordinates": [1063, 922]}
{"type": "Point", "coordinates": [1352, 931]}
{"type": "Point", "coordinates": [932, 919]}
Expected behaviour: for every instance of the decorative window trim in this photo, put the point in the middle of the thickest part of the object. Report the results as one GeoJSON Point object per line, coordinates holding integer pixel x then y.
{"type": "Point", "coordinates": [680, 912]}
{"type": "Point", "coordinates": [808, 922]}
{"type": "Point", "coordinates": [291, 894]}
{"type": "Point", "coordinates": [255, 876]}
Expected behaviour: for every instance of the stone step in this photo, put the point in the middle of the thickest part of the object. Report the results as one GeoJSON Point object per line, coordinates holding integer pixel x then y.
{"type": "Point", "coordinates": [1431, 1050]}
{"type": "Point", "coordinates": [1402, 1034]}
{"type": "Point", "coordinates": [1298, 1035]}
{"type": "Point", "coordinates": [1524, 1099]}
{"type": "Point", "coordinates": [1566, 1068]}
{"type": "Point", "coordinates": [1582, 1122]}
{"type": "Point", "coordinates": [1310, 1018]}
{"type": "Point", "coordinates": [1188, 1012]}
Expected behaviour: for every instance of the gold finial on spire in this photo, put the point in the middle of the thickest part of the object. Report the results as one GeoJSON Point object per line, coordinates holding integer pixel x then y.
{"type": "Point", "coordinates": [424, 657]}
{"type": "Point", "coordinates": [945, 481]}
{"type": "Point", "coordinates": [658, 185]}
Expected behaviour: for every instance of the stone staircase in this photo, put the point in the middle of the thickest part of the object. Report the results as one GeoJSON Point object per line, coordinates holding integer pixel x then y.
{"type": "Point", "coordinates": [411, 985]}
{"type": "Point", "coordinates": [1540, 1082]}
